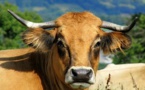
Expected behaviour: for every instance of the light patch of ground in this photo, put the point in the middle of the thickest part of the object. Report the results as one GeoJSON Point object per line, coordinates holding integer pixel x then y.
{"type": "Point", "coordinates": [127, 6]}
{"type": "Point", "coordinates": [107, 4]}
{"type": "Point", "coordinates": [66, 7]}
{"type": "Point", "coordinates": [39, 8]}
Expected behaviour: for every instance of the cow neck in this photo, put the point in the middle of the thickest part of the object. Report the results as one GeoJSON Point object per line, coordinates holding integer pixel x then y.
{"type": "Point", "coordinates": [43, 66]}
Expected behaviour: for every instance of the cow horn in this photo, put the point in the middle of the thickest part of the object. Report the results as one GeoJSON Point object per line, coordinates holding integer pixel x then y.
{"type": "Point", "coordinates": [115, 27]}
{"type": "Point", "coordinates": [30, 24]}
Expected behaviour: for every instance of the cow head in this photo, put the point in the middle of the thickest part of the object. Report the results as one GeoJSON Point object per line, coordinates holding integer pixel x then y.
{"type": "Point", "coordinates": [75, 43]}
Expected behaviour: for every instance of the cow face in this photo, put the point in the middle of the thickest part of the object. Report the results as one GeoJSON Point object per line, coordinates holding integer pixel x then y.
{"type": "Point", "coordinates": [78, 43]}
{"type": "Point", "coordinates": [75, 45]}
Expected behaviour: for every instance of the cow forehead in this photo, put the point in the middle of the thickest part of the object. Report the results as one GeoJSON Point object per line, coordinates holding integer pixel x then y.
{"type": "Point", "coordinates": [80, 27]}
{"type": "Point", "coordinates": [73, 18]}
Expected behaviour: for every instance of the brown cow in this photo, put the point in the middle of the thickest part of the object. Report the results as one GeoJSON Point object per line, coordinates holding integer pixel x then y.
{"type": "Point", "coordinates": [64, 58]}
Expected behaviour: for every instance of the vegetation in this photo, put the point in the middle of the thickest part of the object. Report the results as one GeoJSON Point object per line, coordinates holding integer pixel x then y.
{"type": "Point", "coordinates": [10, 29]}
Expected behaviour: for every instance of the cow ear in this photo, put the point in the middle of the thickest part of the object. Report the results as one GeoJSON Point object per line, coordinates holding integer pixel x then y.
{"type": "Point", "coordinates": [115, 41]}
{"type": "Point", "coordinates": [39, 39]}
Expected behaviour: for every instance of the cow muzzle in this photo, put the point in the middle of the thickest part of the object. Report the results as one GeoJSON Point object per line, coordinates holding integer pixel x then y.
{"type": "Point", "coordinates": [80, 77]}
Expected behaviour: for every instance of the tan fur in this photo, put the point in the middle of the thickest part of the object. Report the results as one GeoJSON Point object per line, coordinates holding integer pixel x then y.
{"type": "Point", "coordinates": [122, 77]}
{"type": "Point", "coordinates": [16, 72]}
{"type": "Point", "coordinates": [43, 67]}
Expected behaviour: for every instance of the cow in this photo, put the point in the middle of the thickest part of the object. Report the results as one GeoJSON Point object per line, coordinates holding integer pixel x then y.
{"type": "Point", "coordinates": [63, 58]}
{"type": "Point", "coordinates": [121, 77]}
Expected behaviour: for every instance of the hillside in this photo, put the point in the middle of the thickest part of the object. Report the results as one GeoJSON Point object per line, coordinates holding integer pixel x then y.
{"type": "Point", "coordinates": [111, 10]}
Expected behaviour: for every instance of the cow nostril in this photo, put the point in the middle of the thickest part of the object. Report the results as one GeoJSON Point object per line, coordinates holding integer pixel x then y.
{"type": "Point", "coordinates": [74, 72]}
{"type": "Point", "coordinates": [90, 73]}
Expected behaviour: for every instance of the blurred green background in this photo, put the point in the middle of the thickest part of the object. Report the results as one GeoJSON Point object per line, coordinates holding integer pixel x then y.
{"type": "Point", "coordinates": [117, 11]}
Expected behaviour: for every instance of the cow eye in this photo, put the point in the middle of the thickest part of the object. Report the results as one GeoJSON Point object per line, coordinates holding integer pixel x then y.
{"type": "Point", "coordinates": [97, 44]}
{"type": "Point", "coordinates": [61, 48]}
{"type": "Point", "coordinates": [60, 44]}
